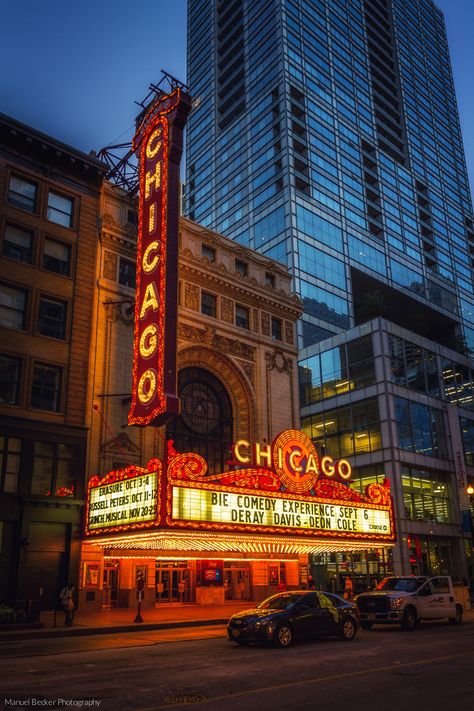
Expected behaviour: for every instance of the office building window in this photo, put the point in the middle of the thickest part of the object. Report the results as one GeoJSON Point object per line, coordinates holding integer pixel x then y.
{"type": "Point", "coordinates": [10, 374]}
{"type": "Point", "coordinates": [18, 244]}
{"type": "Point", "coordinates": [22, 193]}
{"type": "Point", "coordinates": [54, 470]}
{"type": "Point", "coordinates": [336, 371]}
{"type": "Point", "coordinates": [458, 382]}
{"type": "Point", "coordinates": [363, 476]}
{"type": "Point", "coordinates": [127, 273]}
{"type": "Point", "coordinates": [57, 257]}
{"type": "Point", "coordinates": [276, 329]}
{"type": "Point", "coordinates": [46, 387]}
{"type": "Point", "coordinates": [208, 304]}
{"type": "Point", "coordinates": [413, 366]}
{"type": "Point", "coordinates": [12, 307]}
{"type": "Point", "coordinates": [242, 318]}
{"type": "Point", "coordinates": [467, 433]}
{"type": "Point", "coordinates": [10, 456]}
{"type": "Point", "coordinates": [347, 430]}
{"type": "Point", "coordinates": [426, 496]}
{"type": "Point", "coordinates": [241, 267]}
{"type": "Point", "coordinates": [52, 317]}
{"type": "Point", "coordinates": [60, 209]}
{"type": "Point", "coordinates": [421, 428]}
{"type": "Point", "coordinates": [208, 252]}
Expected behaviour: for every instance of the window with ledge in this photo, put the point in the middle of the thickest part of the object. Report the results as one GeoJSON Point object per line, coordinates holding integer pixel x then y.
{"type": "Point", "coordinates": [10, 456]}
{"type": "Point", "coordinates": [12, 307]}
{"type": "Point", "coordinates": [52, 317]}
{"type": "Point", "coordinates": [276, 329]}
{"type": "Point", "coordinates": [57, 257]}
{"type": "Point", "coordinates": [242, 317]}
{"type": "Point", "coordinates": [53, 469]}
{"type": "Point", "coordinates": [241, 267]}
{"type": "Point", "coordinates": [208, 252]}
{"type": "Point", "coordinates": [270, 279]}
{"type": "Point", "coordinates": [18, 244]}
{"type": "Point", "coordinates": [46, 387]}
{"type": "Point", "coordinates": [127, 273]}
{"type": "Point", "coordinates": [10, 374]}
{"type": "Point", "coordinates": [22, 193]}
{"type": "Point", "coordinates": [132, 217]}
{"type": "Point", "coordinates": [208, 304]}
{"type": "Point", "coordinates": [60, 209]}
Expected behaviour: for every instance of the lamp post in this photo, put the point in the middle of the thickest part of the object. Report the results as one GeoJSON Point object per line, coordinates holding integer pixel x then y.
{"type": "Point", "coordinates": [470, 489]}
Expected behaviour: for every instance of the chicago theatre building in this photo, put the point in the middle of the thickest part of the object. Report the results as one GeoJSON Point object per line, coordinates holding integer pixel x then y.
{"type": "Point", "coordinates": [207, 518]}
{"type": "Point", "coordinates": [225, 499]}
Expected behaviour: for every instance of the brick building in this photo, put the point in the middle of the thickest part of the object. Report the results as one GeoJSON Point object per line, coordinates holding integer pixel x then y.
{"type": "Point", "coordinates": [49, 198]}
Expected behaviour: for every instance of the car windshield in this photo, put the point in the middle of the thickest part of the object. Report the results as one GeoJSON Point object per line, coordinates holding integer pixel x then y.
{"type": "Point", "coordinates": [279, 602]}
{"type": "Point", "coordinates": [403, 584]}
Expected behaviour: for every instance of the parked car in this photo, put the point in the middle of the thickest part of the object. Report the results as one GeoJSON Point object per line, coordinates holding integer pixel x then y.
{"type": "Point", "coordinates": [289, 616]}
{"type": "Point", "coordinates": [406, 600]}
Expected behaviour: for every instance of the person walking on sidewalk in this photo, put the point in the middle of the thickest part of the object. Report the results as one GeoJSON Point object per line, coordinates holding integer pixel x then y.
{"type": "Point", "coordinates": [66, 598]}
{"type": "Point", "coordinates": [348, 588]}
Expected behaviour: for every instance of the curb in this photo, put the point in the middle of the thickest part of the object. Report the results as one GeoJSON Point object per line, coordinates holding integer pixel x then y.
{"type": "Point", "coordinates": [10, 636]}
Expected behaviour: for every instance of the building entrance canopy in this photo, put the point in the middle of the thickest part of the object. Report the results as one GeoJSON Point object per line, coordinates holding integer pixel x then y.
{"type": "Point", "coordinates": [276, 499]}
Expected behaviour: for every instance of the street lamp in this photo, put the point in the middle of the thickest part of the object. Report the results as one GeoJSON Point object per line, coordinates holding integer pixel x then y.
{"type": "Point", "coordinates": [470, 489]}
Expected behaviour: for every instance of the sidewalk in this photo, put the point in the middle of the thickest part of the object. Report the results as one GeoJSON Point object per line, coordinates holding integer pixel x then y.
{"type": "Point", "coordinates": [121, 619]}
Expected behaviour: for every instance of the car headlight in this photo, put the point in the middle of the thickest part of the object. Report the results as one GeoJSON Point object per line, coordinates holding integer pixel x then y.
{"type": "Point", "coordinates": [395, 603]}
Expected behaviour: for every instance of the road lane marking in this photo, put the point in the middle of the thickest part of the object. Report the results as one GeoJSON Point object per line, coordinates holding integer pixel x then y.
{"type": "Point", "coordinates": [304, 682]}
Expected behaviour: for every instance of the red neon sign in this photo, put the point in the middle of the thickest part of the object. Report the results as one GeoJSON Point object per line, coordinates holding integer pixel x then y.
{"type": "Point", "coordinates": [159, 142]}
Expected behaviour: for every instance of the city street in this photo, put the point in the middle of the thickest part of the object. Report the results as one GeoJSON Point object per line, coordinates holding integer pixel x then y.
{"type": "Point", "coordinates": [174, 668]}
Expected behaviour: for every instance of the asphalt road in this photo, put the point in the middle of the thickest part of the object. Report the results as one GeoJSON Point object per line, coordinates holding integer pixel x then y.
{"type": "Point", "coordinates": [386, 669]}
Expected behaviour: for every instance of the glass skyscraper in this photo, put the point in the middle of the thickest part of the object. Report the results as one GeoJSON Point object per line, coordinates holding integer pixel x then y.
{"type": "Point", "coordinates": [325, 134]}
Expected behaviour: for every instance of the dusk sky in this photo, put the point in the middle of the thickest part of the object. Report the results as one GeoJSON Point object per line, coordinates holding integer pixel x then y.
{"type": "Point", "coordinates": [74, 69]}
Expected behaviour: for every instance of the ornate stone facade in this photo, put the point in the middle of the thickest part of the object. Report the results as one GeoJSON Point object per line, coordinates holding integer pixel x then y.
{"type": "Point", "coordinates": [254, 369]}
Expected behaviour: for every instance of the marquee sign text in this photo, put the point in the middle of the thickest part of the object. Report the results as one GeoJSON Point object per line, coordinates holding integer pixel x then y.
{"type": "Point", "coordinates": [225, 507]}
{"type": "Point", "coordinates": [159, 143]}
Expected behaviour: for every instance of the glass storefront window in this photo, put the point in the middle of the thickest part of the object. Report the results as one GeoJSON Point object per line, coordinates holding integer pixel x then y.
{"type": "Point", "coordinates": [431, 555]}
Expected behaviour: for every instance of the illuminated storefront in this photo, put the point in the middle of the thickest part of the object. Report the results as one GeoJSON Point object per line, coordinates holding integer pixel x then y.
{"type": "Point", "coordinates": [243, 533]}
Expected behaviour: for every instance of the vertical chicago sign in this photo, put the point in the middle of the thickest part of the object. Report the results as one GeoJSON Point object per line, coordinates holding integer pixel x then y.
{"type": "Point", "coordinates": [159, 143]}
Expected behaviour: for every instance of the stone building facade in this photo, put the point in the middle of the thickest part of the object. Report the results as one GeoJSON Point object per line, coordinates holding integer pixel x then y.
{"type": "Point", "coordinates": [237, 377]}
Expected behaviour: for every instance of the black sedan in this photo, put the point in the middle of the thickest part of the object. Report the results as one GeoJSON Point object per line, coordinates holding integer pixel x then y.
{"type": "Point", "coordinates": [295, 615]}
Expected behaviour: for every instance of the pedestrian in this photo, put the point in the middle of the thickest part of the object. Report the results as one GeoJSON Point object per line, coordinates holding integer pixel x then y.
{"type": "Point", "coordinates": [66, 598]}
{"type": "Point", "coordinates": [348, 588]}
{"type": "Point", "coordinates": [311, 583]}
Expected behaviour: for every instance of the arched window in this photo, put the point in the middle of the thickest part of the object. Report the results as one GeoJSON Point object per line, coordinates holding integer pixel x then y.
{"type": "Point", "coordinates": [205, 423]}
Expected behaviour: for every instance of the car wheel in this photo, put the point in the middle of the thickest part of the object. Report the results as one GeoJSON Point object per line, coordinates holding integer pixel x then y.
{"type": "Point", "coordinates": [409, 619]}
{"type": "Point", "coordinates": [366, 625]}
{"type": "Point", "coordinates": [283, 636]}
{"type": "Point", "coordinates": [348, 629]}
{"type": "Point", "coordinates": [458, 619]}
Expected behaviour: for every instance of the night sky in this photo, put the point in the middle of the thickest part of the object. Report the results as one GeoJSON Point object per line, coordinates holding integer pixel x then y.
{"type": "Point", "coordinates": [74, 69]}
